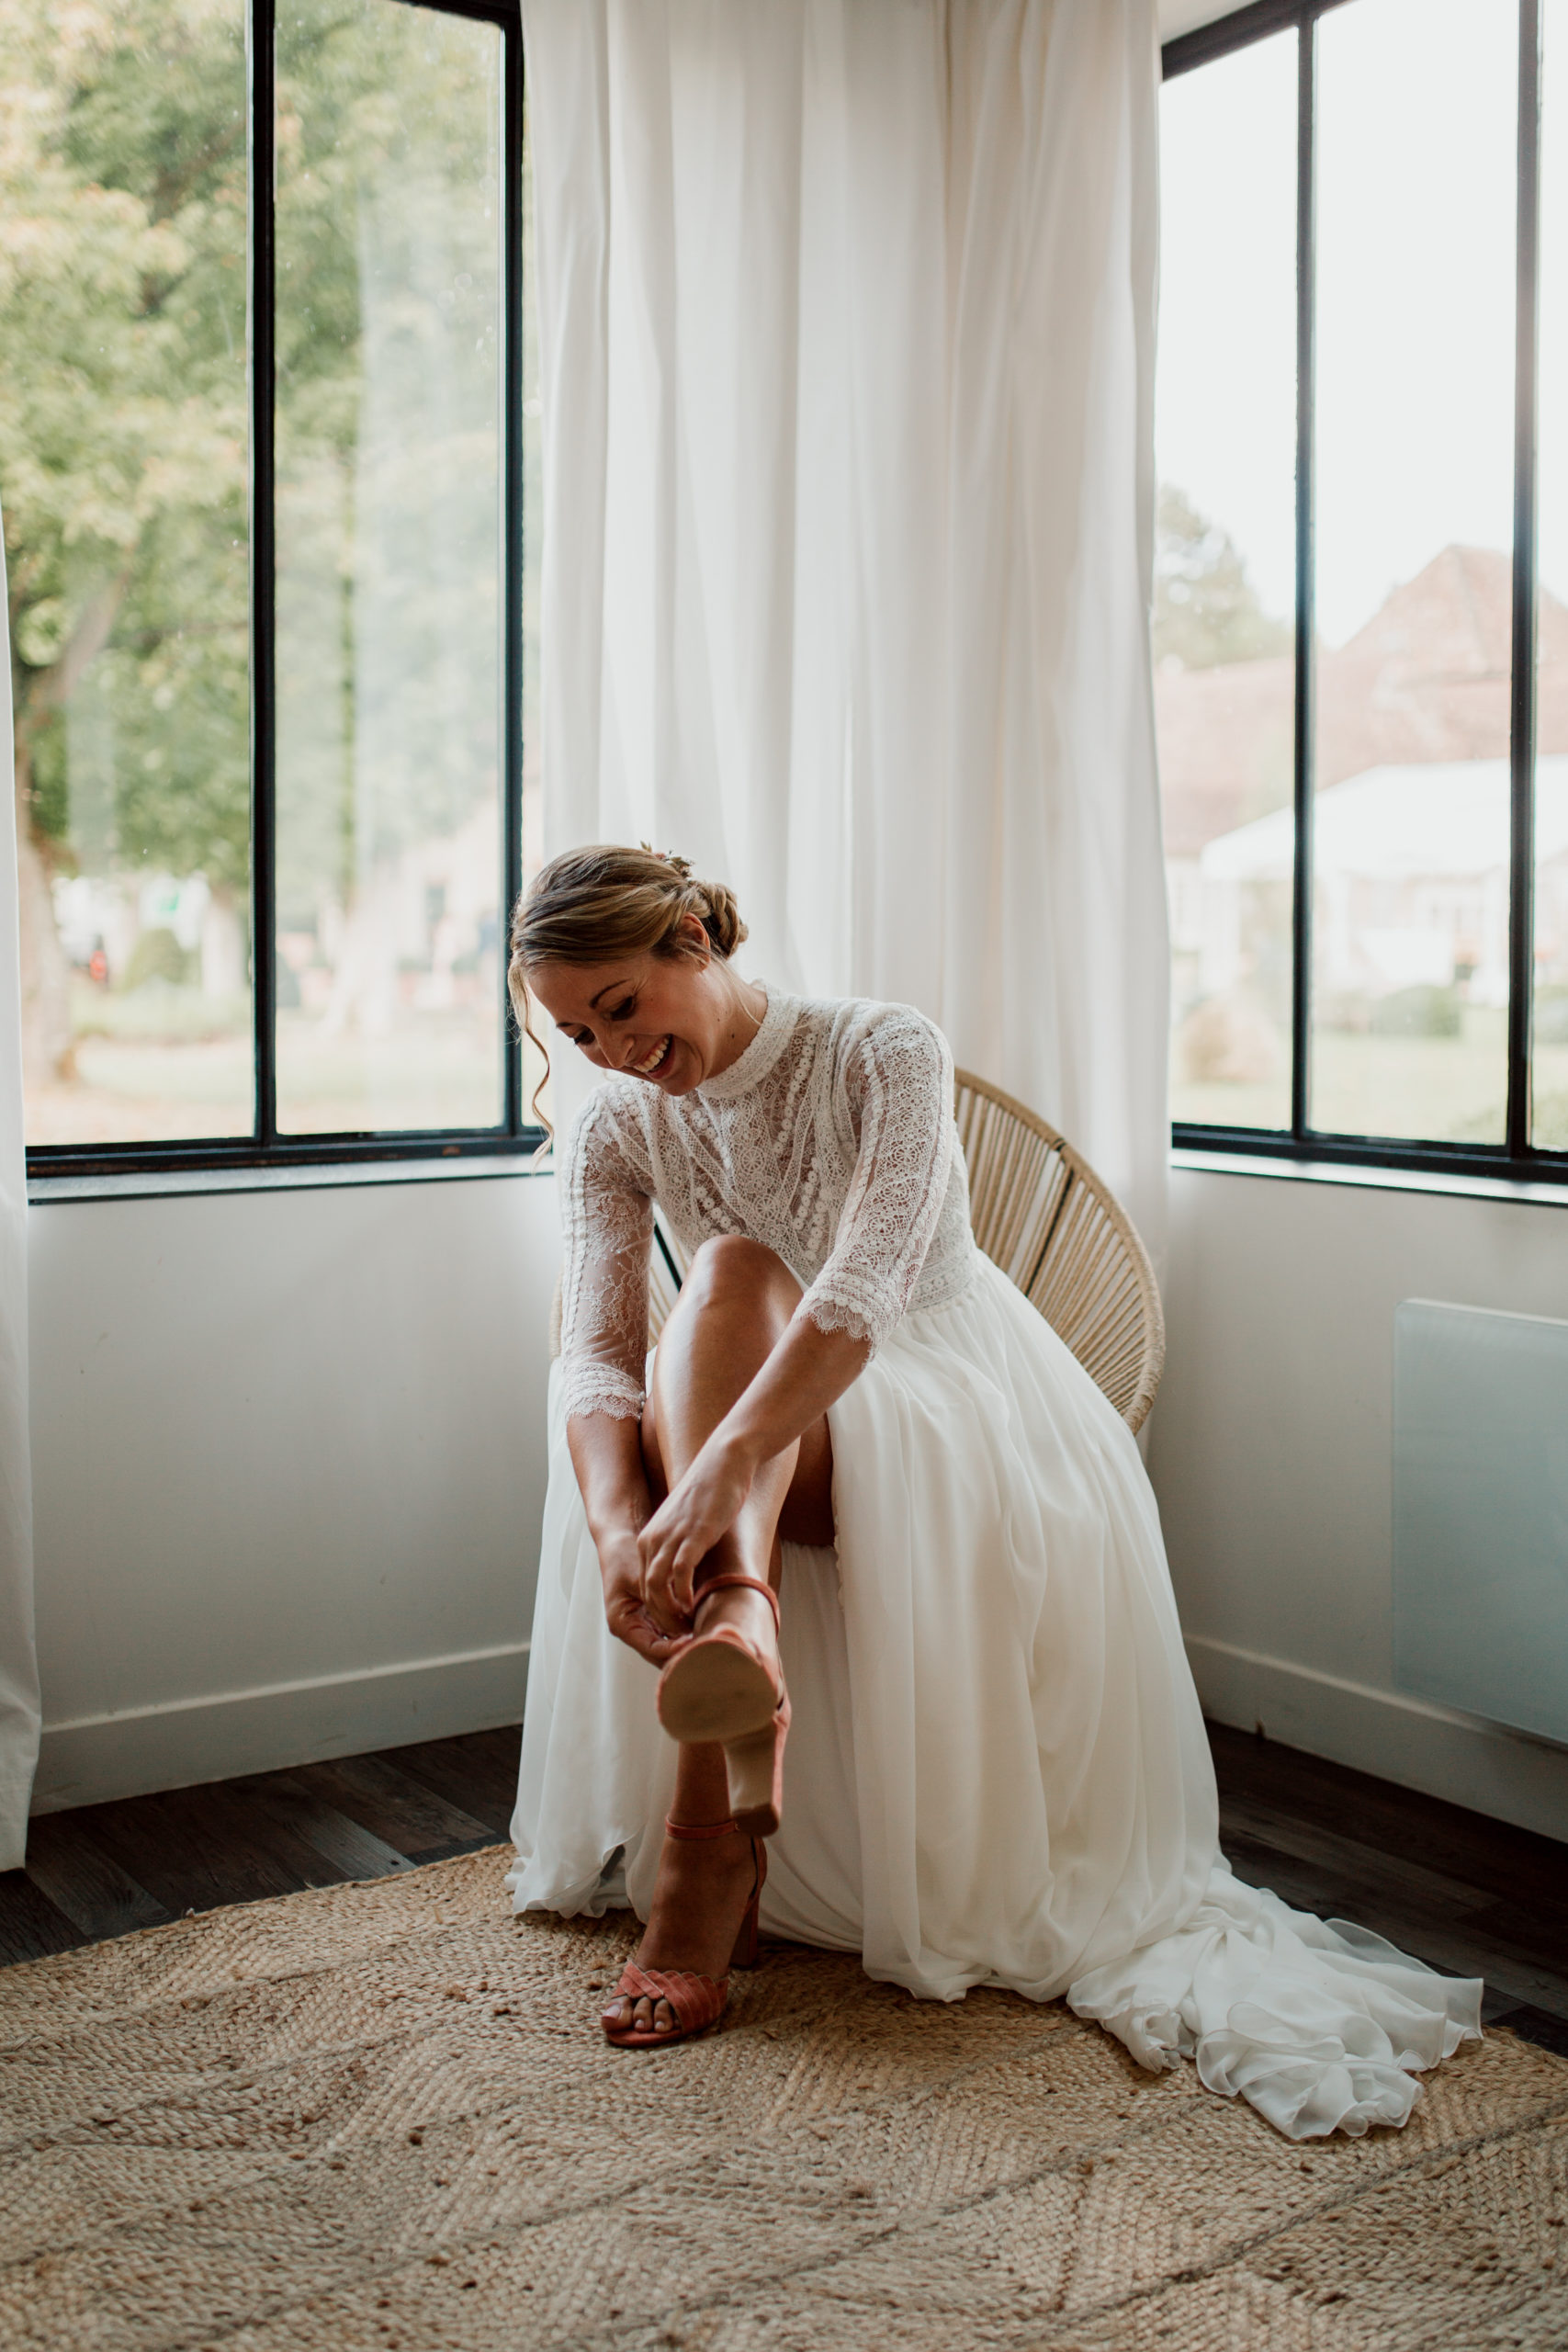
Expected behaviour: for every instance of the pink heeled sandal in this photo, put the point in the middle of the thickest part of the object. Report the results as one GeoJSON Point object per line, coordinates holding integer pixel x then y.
{"type": "Point", "coordinates": [716, 1689]}
{"type": "Point", "coordinates": [695, 2001]}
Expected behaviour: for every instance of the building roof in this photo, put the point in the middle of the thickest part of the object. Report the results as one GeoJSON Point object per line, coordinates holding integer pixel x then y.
{"type": "Point", "coordinates": [1425, 682]}
{"type": "Point", "coordinates": [1400, 824]}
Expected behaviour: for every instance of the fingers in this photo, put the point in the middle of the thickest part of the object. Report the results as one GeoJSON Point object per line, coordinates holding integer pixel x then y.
{"type": "Point", "coordinates": [679, 1581]}
{"type": "Point", "coordinates": [630, 1622]}
{"type": "Point", "coordinates": [671, 1546]}
{"type": "Point", "coordinates": [662, 1600]}
{"type": "Point", "coordinates": [656, 1548]}
{"type": "Point", "coordinates": [668, 1580]}
{"type": "Point", "coordinates": [678, 1538]}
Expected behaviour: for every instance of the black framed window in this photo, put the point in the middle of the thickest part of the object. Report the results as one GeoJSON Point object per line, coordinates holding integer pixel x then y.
{"type": "Point", "coordinates": [262, 463]}
{"type": "Point", "coordinates": [1361, 606]}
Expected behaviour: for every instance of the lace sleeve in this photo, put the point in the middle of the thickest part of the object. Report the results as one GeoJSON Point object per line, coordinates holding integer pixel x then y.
{"type": "Point", "coordinates": [607, 1228]}
{"type": "Point", "coordinates": [900, 1094]}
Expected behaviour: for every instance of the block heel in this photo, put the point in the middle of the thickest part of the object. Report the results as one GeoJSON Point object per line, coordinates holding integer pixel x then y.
{"type": "Point", "coordinates": [753, 1767]}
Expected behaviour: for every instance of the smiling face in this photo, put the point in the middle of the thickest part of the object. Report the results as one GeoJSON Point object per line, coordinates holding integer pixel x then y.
{"type": "Point", "coordinates": [669, 1020]}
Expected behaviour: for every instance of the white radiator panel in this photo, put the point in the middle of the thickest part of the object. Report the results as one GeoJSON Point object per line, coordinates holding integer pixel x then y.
{"type": "Point", "coordinates": [1481, 1512]}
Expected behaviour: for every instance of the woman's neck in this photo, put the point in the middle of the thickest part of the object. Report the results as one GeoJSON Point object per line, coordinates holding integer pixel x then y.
{"type": "Point", "coordinates": [748, 1007]}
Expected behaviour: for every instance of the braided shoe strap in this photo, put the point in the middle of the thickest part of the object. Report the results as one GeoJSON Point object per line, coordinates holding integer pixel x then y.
{"type": "Point", "coordinates": [694, 2001]}
{"type": "Point", "coordinates": [746, 1583]}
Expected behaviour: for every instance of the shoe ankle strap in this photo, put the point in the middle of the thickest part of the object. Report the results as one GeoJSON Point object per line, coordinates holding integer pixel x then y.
{"type": "Point", "coordinates": [744, 1584]}
{"type": "Point", "coordinates": [699, 1828]}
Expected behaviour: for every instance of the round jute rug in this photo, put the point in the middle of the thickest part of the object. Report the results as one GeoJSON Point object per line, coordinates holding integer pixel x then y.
{"type": "Point", "coordinates": [382, 2116]}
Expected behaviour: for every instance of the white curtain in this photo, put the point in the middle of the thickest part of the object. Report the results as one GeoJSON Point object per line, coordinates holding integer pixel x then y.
{"type": "Point", "coordinates": [847, 316]}
{"type": "Point", "coordinates": [19, 1663]}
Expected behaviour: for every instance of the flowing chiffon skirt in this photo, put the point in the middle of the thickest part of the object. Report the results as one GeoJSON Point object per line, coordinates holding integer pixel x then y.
{"type": "Point", "coordinates": [998, 1772]}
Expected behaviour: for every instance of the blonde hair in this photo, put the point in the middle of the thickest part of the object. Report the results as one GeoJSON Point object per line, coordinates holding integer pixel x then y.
{"type": "Point", "coordinates": [597, 905]}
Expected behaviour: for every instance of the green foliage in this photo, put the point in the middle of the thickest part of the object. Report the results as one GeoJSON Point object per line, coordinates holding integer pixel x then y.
{"type": "Point", "coordinates": [1421, 1012]}
{"type": "Point", "coordinates": [1206, 609]}
{"type": "Point", "coordinates": [157, 955]}
{"type": "Point", "coordinates": [123, 420]}
{"type": "Point", "coordinates": [388, 247]}
{"type": "Point", "coordinates": [49, 798]}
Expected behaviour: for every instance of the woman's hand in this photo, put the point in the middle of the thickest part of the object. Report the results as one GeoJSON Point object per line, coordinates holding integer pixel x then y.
{"type": "Point", "coordinates": [702, 1506]}
{"type": "Point", "coordinates": [607, 1454]}
{"type": "Point", "coordinates": [626, 1612]}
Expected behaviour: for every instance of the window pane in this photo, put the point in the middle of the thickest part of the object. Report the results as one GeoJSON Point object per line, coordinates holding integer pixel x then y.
{"type": "Point", "coordinates": [534, 1075]}
{"type": "Point", "coordinates": [1551, 1089]}
{"type": "Point", "coordinates": [1416, 190]}
{"type": "Point", "coordinates": [1224, 670]}
{"type": "Point", "coordinates": [389, 574]}
{"type": "Point", "coordinates": [124, 478]}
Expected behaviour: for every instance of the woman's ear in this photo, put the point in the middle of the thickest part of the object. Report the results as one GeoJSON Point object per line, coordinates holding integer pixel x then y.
{"type": "Point", "coordinates": [699, 946]}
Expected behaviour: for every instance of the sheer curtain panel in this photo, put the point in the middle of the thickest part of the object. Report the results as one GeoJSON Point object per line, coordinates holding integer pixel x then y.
{"type": "Point", "coordinates": [19, 1664]}
{"type": "Point", "coordinates": [847, 317]}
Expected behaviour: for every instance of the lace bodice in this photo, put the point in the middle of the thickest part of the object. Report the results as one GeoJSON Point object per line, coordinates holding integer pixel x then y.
{"type": "Point", "coordinates": [830, 1141]}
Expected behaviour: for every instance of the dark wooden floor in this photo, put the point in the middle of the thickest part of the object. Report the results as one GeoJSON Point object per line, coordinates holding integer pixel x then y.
{"type": "Point", "coordinates": [1465, 1893]}
{"type": "Point", "coordinates": [108, 1868]}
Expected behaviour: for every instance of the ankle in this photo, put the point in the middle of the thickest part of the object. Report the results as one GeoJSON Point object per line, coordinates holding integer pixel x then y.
{"type": "Point", "coordinates": [740, 1607]}
{"type": "Point", "coordinates": [704, 1856]}
{"type": "Point", "coordinates": [739, 1584]}
{"type": "Point", "coordinates": [696, 1820]}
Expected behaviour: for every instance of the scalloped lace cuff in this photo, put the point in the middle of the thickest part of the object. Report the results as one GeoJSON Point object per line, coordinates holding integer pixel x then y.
{"type": "Point", "coordinates": [601, 1389]}
{"type": "Point", "coordinates": [866, 1318]}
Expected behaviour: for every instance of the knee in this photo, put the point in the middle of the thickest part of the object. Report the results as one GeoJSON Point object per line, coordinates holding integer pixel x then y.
{"type": "Point", "coordinates": [730, 1267]}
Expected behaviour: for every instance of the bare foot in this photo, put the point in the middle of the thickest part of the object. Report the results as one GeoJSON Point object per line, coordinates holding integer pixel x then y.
{"type": "Point", "coordinates": [699, 1901]}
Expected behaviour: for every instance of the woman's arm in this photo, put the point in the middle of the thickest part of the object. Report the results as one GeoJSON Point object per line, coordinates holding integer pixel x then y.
{"type": "Point", "coordinates": [606, 1454]}
{"type": "Point", "coordinates": [606, 1229]}
{"type": "Point", "coordinates": [808, 1371]}
{"type": "Point", "coordinates": [899, 1087]}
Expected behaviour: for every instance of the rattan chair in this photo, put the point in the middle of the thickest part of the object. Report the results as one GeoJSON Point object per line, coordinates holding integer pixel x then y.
{"type": "Point", "coordinates": [1053, 1228]}
{"type": "Point", "coordinates": [1057, 1230]}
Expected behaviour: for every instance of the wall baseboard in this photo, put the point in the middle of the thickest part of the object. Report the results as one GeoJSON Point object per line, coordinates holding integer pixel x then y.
{"type": "Point", "coordinates": [99, 1758]}
{"type": "Point", "coordinates": [1410, 1741]}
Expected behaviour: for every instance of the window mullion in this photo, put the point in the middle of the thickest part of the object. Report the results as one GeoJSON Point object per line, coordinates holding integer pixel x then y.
{"type": "Point", "coordinates": [513, 523]}
{"type": "Point", "coordinates": [1521, 895]}
{"type": "Point", "coordinates": [264, 735]}
{"type": "Point", "coordinates": [1306, 295]}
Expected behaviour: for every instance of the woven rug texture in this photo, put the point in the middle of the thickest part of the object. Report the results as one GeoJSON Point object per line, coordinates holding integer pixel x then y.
{"type": "Point", "coordinates": [381, 2115]}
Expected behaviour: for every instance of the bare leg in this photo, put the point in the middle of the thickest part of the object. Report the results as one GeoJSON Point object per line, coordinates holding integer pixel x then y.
{"type": "Point", "coordinates": [733, 1307]}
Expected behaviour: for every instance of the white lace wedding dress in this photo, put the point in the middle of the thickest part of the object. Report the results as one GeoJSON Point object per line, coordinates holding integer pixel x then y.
{"type": "Point", "coordinates": [998, 1772]}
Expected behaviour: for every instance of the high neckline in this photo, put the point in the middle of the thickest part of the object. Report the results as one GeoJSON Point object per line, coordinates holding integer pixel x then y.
{"type": "Point", "coordinates": [756, 1059]}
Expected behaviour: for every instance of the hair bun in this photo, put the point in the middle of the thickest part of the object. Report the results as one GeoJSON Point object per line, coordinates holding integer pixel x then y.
{"type": "Point", "coordinates": [712, 902]}
{"type": "Point", "coordinates": [721, 919]}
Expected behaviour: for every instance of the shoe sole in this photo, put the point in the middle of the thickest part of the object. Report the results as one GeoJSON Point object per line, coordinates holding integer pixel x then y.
{"type": "Point", "coordinates": [715, 1692]}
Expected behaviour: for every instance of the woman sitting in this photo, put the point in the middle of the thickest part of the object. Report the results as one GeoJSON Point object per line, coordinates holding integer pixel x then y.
{"type": "Point", "coordinates": [866, 1502]}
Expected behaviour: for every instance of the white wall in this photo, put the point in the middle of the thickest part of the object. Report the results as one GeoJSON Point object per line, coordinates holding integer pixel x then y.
{"type": "Point", "coordinates": [1271, 1455]}
{"type": "Point", "coordinates": [1185, 16]}
{"type": "Point", "coordinates": [289, 1466]}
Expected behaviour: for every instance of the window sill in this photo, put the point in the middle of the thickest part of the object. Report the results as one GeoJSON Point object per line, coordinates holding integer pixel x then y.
{"type": "Point", "coordinates": [158, 1183]}
{"type": "Point", "coordinates": [1187, 1157]}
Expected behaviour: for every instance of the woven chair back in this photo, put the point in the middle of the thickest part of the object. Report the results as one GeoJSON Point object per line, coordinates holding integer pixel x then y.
{"type": "Point", "coordinates": [1056, 1229]}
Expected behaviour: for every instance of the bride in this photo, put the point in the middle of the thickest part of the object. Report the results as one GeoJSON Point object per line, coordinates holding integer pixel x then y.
{"type": "Point", "coordinates": [853, 1611]}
